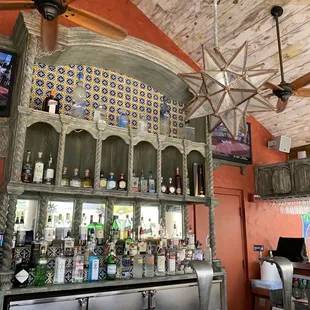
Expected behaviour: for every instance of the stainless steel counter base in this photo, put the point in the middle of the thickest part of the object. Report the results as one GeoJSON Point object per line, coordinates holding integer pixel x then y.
{"type": "Point", "coordinates": [159, 293]}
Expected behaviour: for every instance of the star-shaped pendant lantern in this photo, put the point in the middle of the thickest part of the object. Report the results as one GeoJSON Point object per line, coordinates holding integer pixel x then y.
{"type": "Point", "coordinates": [227, 91]}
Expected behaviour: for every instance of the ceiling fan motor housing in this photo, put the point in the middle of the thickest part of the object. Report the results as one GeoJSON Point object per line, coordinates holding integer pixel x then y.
{"type": "Point", "coordinates": [284, 94]}
{"type": "Point", "coordinates": [50, 9]}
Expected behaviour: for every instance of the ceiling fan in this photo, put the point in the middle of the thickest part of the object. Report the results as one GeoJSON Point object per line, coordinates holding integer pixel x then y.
{"type": "Point", "coordinates": [52, 9]}
{"type": "Point", "coordinates": [285, 90]}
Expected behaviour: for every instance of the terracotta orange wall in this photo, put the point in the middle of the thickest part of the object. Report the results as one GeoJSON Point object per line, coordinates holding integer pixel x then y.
{"type": "Point", "coordinates": [263, 224]}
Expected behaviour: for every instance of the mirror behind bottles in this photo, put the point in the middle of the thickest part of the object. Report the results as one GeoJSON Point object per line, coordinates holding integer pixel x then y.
{"type": "Point", "coordinates": [26, 213]}
{"type": "Point", "coordinates": [174, 220]}
{"type": "Point", "coordinates": [94, 210]}
{"type": "Point", "coordinates": [122, 220]}
{"type": "Point", "coordinates": [80, 153]}
{"type": "Point", "coordinates": [114, 158]}
{"type": "Point", "coordinates": [150, 220]}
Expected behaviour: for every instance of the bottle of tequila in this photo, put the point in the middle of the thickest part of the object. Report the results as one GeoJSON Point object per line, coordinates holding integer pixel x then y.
{"type": "Point", "coordinates": [38, 169]}
{"type": "Point", "coordinates": [122, 184]}
{"type": "Point", "coordinates": [27, 169]}
{"type": "Point", "coordinates": [60, 268]}
{"type": "Point", "coordinates": [171, 187]}
{"type": "Point", "coordinates": [178, 182]}
{"type": "Point", "coordinates": [69, 245]}
{"type": "Point", "coordinates": [143, 183]}
{"type": "Point", "coordinates": [83, 231]}
{"type": "Point", "coordinates": [75, 181]}
{"type": "Point", "coordinates": [111, 184]}
{"type": "Point", "coordinates": [86, 181]}
{"type": "Point", "coordinates": [99, 231]}
{"type": "Point", "coordinates": [103, 180]}
{"type": "Point", "coordinates": [135, 182]}
{"type": "Point", "coordinates": [65, 180]}
{"type": "Point", "coordinates": [40, 269]}
{"type": "Point", "coordinates": [49, 231]}
{"type": "Point", "coordinates": [163, 187]}
{"type": "Point", "coordinates": [49, 172]}
{"type": "Point", "coordinates": [111, 265]}
{"type": "Point", "coordinates": [151, 183]}
{"type": "Point", "coordinates": [78, 266]}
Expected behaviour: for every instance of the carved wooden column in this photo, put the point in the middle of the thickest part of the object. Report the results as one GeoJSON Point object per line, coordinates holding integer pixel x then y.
{"type": "Point", "coordinates": [184, 166]}
{"type": "Point", "coordinates": [9, 233]}
{"type": "Point", "coordinates": [163, 210]}
{"type": "Point", "coordinates": [159, 163]}
{"type": "Point", "coordinates": [77, 218]}
{"type": "Point", "coordinates": [185, 220]}
{"type": "Point", "coordinates": [4, 209]}
{"type": "Point", "coordinates": [130, 162]}
{"type": "Point", "coordinates": [42, 214]}
{"type": "Point", "coordinates": [61, 152]}
{"type": "Point", "coordinates": [109, 209]}
{"type": "Point", "coordinates": [98, 159]}
{"type": "Point", "coordinates": [137, 217]}
{"type": "Point", "coordinates": [19, 146]}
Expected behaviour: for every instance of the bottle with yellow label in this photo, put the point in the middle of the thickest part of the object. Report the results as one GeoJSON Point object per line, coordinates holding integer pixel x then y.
{"type": "Point", "coordinates": [103, 180]}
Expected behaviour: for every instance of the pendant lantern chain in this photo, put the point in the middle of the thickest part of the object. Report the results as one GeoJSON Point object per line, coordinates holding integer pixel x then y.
{"type": "Point", "coordinates": [215, 24]}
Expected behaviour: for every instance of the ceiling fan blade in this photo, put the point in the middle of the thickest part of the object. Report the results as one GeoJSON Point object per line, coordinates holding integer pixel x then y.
{"type": "Point", "coordinates": [49, 34]}
{"type": "Point", "coordinates": [95, 23]}
{"type": "Point", "coordinates": [16, 5]}
{"type": "Point", "coordinates": [67, 2]}
{"type": "Point", "coordinates": [301, 82]}
{"type": "Point", "coordinates": [272, 86]}
{"type": "Point", "coordinates": [302, 92]}
{"type": "Point", "coordinates": [281, 105]}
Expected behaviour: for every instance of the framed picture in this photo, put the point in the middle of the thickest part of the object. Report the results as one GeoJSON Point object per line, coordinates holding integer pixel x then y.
{"type": "Point", "coordinates": [226, 148]}
{"type": "Point", "coordinates": [7, 71]}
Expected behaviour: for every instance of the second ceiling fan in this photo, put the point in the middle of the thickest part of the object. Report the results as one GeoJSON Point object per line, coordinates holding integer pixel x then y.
{"type": "Point", "coordinates": [285, 90]}
{"type": "Point", "coordinates": [51, 10]}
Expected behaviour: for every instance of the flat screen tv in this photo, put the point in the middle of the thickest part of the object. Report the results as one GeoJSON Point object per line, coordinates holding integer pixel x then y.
{"type": "Point", "coordinates": [7, 70]}
{"type": "Point", "coordinates": [225, 147]}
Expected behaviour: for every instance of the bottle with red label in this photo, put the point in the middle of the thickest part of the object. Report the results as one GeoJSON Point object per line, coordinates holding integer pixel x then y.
{"type": "Point", "coordinates": [178, 182]}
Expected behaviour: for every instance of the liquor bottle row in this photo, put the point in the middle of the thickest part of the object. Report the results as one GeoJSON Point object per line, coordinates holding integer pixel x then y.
{"type": "Point", "coordinates": [139, 259]}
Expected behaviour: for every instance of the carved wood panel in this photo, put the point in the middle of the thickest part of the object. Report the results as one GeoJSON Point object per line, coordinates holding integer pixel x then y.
{"type": "Point", "coordinates": [281, 181]}
{"type": "Point", "coordinates": [302, 178]}
{"type": "Point", "coordinates": [264, 183]}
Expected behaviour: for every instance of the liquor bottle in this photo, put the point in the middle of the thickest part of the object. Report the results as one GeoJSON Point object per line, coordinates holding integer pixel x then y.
{"type": "Point", "coordinates": [66, 225]}
{"type": "Point", "coordinates": [163, 187]}
{"type": "Point", "coordinates": [191, 238]}
{"type": "Point", "coordinates": [161, 260]}
{"type": "Point", "coordinates": [38, 169]}
{"type": "Point", "coordinates": [138, 265]}
{"type": "Point", "coordinates": [111, 184]}
{"type": "Point", "coordinates": [143, 183]}
{"type": "Point", "coordinates": [126, 263]}
{"type": "Point", "coordinates": [27, 169]}
{"type": "Point", "coordinates": [86, 181]}
{"type": "Point", "coordinates": [127, 227]}
{"type": "Point", "coordinates": [142, 230]}
{"type": "Point", "coordinates": [21, 233]}
{"type": "Point", "coordinates": [171, 188]}
{"type": "Point", "coordinates": [93, 269]}
{"type": "Point", "coordinates": [90, 227]}
{"type": "Point", "coordinates": [171, 258]}
{"type": "Point", "coordinates": [99, 231]}
{"type": "Point", "coordinates": [178, 182]}
{"type": "Point", "coordinates": [41, 267]}
{"type": "Point", "coordinates": [207, 256]}
{"type": "Point", "coordinates": [122, 184]}
{"type": "Point", "coordinates": [65, 180]}
{"type": "Point", "coordinates": [16, 225]}
{"type": "Point", "coordinates": [163, 233]}
{"type": "Point", "coordinates": [49, 172]}
{"type": "Point", "coordinates": [60, 268]}
{"type": "Point", "coordinates": [78, 266]}
{"type": "Point", "coordinates": [83, 231]}
{"type": "Point", "coordinates": [51, 104]}
{"type": "Point", "coordinates": [198, 254]}
{"type": "Point", "coordinates": [59, 231]}
{"type": "Point", "coordinates": [175, 236]}
{"type": "Point", "coordinates": [115, 232]}
{"type": "Point", "coordinates": [135, 182]}
{"type": "Point", "coordinates": [49, 231]}
{"type": "Point", "coordinates": [201, 185]}
{"type": "Point", "coordinates": [21, 273]}
{"type": "Point", "coordinates": [75, 180]}
{"type": "Point", "coordinates": [111, 265]}
{"type": "Point", "coordinates": [151, 183]}
{"type": "Point", "coordinates": [195, 180]}
{"type": "Point", "coordinates": [149, 263]}
{"type": "Point", "coordinates": [35, 251]}
{"type": "Point", "coordinates": [103, 180]}
{"type": "Point", "coordinates": [69, 245]}
{"type": "Point", "coordinates": [180, 257]}
{"type": "Point", "coordinates": [149, 231]}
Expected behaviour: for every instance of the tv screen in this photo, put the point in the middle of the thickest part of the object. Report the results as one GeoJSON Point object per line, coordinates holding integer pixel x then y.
{"type": "Point", "coordinates": [225, 147]}
{"type": "Point", "coordinates": [7, 68]}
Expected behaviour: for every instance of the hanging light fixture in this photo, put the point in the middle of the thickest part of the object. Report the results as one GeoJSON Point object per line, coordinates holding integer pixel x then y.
{"type": "Point", "coordinates": [226, 91]}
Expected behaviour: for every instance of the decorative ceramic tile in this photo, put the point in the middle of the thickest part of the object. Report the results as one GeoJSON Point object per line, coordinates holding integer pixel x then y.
{"type": "Point", "coordinates": [69, 262]}
{"type": "Point", "coordinates": [118, 92]}
{"type": "Point", "coordinates": [68, 276]}
{"type": "Point", "coordinates": [51, 263]}
{"type": "Point", "coordinates": [99, 250]}
{"type": "Point", "coordinates": [20, 252]}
